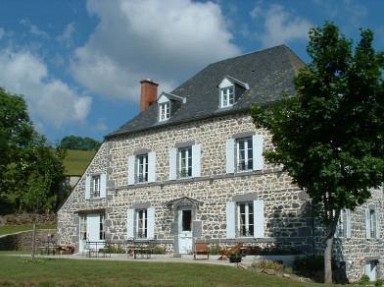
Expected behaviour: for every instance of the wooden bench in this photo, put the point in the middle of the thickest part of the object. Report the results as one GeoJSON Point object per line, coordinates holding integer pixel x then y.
{"type": "Point", "coordinates": [200, 248]}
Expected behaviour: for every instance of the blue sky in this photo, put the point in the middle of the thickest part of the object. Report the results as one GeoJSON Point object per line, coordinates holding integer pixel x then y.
{"type": "Point", "coordinates": [78, 63]}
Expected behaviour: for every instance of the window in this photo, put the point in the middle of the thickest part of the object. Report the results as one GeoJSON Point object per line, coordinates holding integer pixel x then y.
{"type": "Point", "coordinates": [371, 223]}
{"type": "Point", "coordinates": [95, 186]}
{"type": "Point", "coordinates": [140, 223]}
{"type": "Point", "coordinates": [244, 153]}
{"type": "Point", "coordinates": [227, 97]}
{"type": "Point", "coordinates": [185, 162]}
{"type": "Point", "coordinates": [245, 219]}
{"type": "Point", "coordinates": [245, 224]}
{"type": "Point", "coordinates": [83, 227]}
{"type": "Point", "coordinates": [164, 111]}
{"type": "Point", "coordinates": [102, 227]}
{"type": "Point", "coordinates": [142, 168]}
{"type": "Point", "coordinates": [343, 228]}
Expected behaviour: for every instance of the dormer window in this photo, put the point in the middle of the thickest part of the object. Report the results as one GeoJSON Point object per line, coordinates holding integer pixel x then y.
{"type": "Point", "coordinates": [227, 97]}
{"type": "Point", "coordinates": [168, 105]}
{"type": "Point", "coordinates": [164, 111]}
{"type": "Point", "coordinates": [231, 90]}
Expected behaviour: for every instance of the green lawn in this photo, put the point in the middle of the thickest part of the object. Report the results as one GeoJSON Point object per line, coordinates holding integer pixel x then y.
{"type": "Point", "coordinates": [76, 161]}
{"type": "Point", "coordinates": [22, 271]}
{"type": "Point", "coordinates": [9, 229]}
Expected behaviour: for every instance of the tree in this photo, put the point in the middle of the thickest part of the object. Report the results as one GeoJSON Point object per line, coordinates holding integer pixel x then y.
{"type": "Point", "coordinates": [79, 143]}
{"type": "Point", "coordinates": [31, 172]}
{"type": "Point", "coordinates": [329, 136]}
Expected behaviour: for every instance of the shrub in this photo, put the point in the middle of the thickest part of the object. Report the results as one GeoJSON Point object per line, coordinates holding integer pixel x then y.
{"type": "Point", "coordinates": [159, 250]}
{"type": "Point", "coordinates": [268, 264]}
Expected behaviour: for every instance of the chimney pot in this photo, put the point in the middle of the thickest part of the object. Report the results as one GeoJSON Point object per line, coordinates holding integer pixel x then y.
{"type": "Point", "coordinates": [148, 94]}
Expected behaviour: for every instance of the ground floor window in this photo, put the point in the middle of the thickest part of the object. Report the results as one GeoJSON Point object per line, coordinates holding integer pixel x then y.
{"type": "Point", "coordinates": [83, 227]}
{"type": "Point", "coordinates": [140, 223]}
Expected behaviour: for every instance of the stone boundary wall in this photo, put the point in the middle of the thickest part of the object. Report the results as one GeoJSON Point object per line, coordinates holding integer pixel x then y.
{"type": "Point", "coordinates": [23, 240]}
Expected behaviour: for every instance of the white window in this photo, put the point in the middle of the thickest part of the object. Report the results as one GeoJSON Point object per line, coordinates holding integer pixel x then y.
{"type": "Point", "coordinates": [227, 97]}
{"type": "Point", "coordinates": [141, 223]}
{"type": "Point", "coordinates": [343, 229]}
{"type": "Point", "coordinates": [164, 111]}
{"type": "Point", "coordinates": [371, 222]}
{"type": "Point", "coordinates": [142, 168]}
{"type": "Point", "coordinates": [245, 219]}
{"type": "Point", "coordinates": [184, 162]}
{"type": "Point", "coordinates": [95, 186]}
{"type": "Point", "coordinates": [83, 228]}
{"type": "Point", "coordinates": [102, 227]}
{"type": "Point", "coordinates": [244, 154]}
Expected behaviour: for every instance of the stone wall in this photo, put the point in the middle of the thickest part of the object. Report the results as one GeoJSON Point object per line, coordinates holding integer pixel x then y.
{"type": "Point", "coordinates": [23, 240]}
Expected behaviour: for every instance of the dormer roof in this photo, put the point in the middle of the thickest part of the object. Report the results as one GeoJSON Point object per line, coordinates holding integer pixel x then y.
{"type": "Point", "coordinates": [268, 73]}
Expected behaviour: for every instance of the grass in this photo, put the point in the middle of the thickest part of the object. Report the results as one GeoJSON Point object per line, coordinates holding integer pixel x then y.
{"type": "Point", "coordinates": [22, 271]}
{"type": "Point", "coordinates": [9, 229]}
{"type": "Point", "coordinates": [76, 161]}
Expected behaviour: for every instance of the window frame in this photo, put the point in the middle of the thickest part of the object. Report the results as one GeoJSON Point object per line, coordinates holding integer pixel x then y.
{"type": "Point", "coordinates": [164, 111]}
{"type": "Point", "coordinates": [185, 162]}
{"type": "Point", "coordinates": [95, 186]}
{"type": "Point", "coordinates": [83, 227]}
{"type": "Point", "coordinates": [102, 226]}
{"type": "Point", "coordinates": [227, 96]}
{"type": "Point", "coordinates": [142, 168]}
{"type": "Point", "coordinates": [141, 223]}
{"type": "Point", "coordinates": [246, 163]}
{"type": "Point", "coordinates": [372, 223]}
{"type": "Point", "coordinates": [134, 230]}
{"type": "Point", "coordinates": [245, 225]}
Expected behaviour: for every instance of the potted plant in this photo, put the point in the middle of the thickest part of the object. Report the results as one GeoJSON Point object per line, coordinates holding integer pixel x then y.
{"type": "Point", "coordinates": [235, 253]}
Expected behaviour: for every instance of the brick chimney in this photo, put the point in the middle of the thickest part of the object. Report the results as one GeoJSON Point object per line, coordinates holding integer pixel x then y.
{"type": "Point", "coordinates": [148, 94]}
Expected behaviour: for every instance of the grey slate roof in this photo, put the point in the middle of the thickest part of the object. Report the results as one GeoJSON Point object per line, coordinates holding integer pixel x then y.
{"type": "Point", "coordinates": [268, 73]}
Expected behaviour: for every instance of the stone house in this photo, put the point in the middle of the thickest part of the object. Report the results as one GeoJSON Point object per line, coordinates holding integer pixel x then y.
{"type": "Point", "coordinates": [190, 166]}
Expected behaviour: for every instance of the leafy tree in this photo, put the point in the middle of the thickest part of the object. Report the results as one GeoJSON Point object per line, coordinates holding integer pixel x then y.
{"type": "Point", "coordinates": [79, 143]}
{"type": "Point", "coordinates": [329, 136]}
{"type": "Point", "coordinates": [31, 172]}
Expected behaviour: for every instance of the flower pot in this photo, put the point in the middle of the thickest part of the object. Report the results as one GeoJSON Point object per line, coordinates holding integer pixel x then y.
{"type": "Point", "coordinates": [235, 258]}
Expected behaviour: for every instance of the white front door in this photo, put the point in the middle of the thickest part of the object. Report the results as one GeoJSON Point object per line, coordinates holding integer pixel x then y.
{"type": "Point", "coordinates": [370, 270]}
{"type": "Point", "coordinates": [185, 231]}
{"type": "Point", "coordinates": [93, 231]}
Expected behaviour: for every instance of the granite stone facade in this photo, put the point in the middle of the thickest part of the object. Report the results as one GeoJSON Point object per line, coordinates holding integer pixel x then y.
{"type": "Point", "coordinates": [278, 211]}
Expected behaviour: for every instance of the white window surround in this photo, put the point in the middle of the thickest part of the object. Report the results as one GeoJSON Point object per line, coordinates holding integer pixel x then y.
{"type": "Point", "coordinates": [343, 229]}
{"type": "Point", "coordinates": [371, 223]}
{"type": "Point", "coordinates": [164, 111]}
{"type": "Point", "coordinates": [252, 226]}
{"type": "Point", "coordinates": [227, 91]}
{"type": "Point", "coordinates": [233, 156]}
{"type": "Point", "coordinates": [179, 170]}
{"type": "Point", "coordinates": [141, 223]}
{"type": "Point", "coordinates": [95, 186]}
{"type": "Point", "coordinates": [138, 171]}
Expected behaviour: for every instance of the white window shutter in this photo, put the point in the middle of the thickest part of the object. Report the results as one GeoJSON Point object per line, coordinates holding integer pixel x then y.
{"type": "Point", "coordinates": [131, 170]}
{"type": "Point", "coordinates": [348, 223]}
{"type": "Point", "coordinates": [88, 187]}
{"type": "Point", "coordinates": [172, 163]}
{"type": "Point", "coordinates": [151, 223]}
{"type": "Point", "coordinates": [258, 218]}
{"type": "Point", "coordinates": [367, 224]}
{"type": "Point", "coordinates": [130, 223]}
{"type": "Point", "coordinates": [258, 158]}
{"type": "Point", "coordinates": [230, 156]}
{"type": "Point", "coordinates": [196, 154]}
{"type": "Point", "coordinates": [103, 185]}
{"type": "Point", "coordinates": [151, 167]}
{"type": "Point", "coordinates": [231, 219]}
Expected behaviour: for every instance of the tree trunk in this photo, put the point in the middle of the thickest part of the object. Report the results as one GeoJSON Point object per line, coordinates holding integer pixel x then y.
{"type": "Point", "coordinates": [328, 260]}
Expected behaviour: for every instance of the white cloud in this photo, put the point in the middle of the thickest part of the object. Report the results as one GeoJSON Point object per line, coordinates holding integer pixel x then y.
{"type": "Point", "coordinates": [33, 29]}
{"type": "Point", "coordinates": [50, 101]}
{"type": "Point", "coordinates": [148, 39]}
{"type": "Point", "coordinates": [280, 26]}
{"type": "Point", "coordinates": [66, 37]}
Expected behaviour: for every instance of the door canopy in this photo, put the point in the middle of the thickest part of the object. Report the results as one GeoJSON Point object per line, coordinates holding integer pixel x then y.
{"type": "Point", "coordinates": [183, 202]}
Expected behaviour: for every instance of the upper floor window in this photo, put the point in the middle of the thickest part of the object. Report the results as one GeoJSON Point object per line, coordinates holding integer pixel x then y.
{"type": "Point", "coordinates": [95, 186]}
{"type": "Point", "coordinates": [244, 153]}
{"type": "Point", "coordinates": [343, 229]}
{"type": "Point", "coordinates": [371, 223]}
{"type": "Point", "coordinates": [142, 167]}
{"type": "Point", "coordinates": [227, 97]}
{"type": "Point", "coordinates": [184, 161]}
{"type": "Point", "coordinates": [164, 111]}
